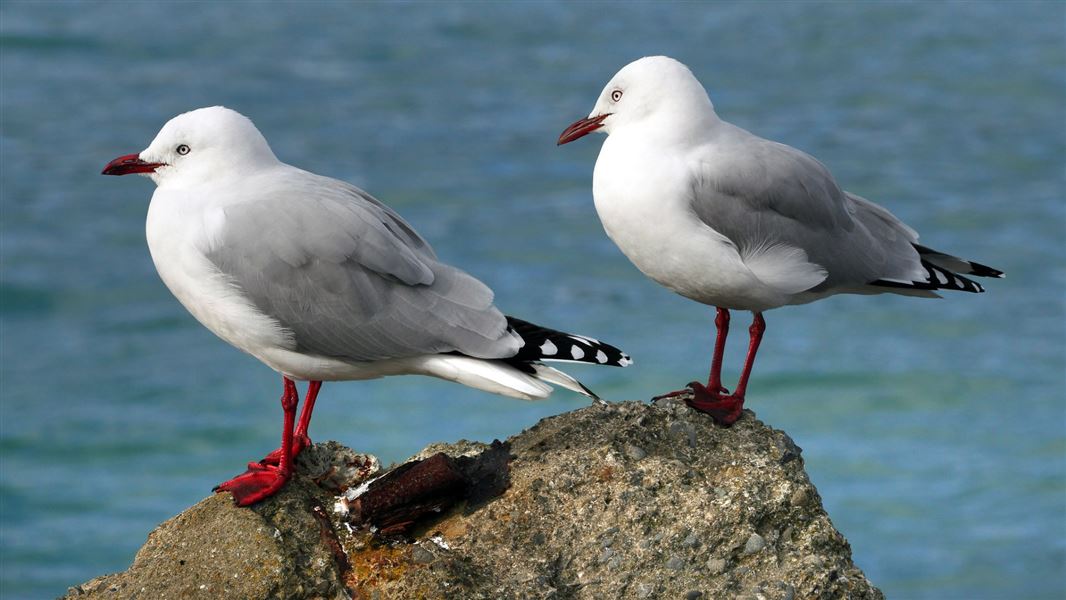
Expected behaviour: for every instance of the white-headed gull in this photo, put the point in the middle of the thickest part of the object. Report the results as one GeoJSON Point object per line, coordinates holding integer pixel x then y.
{"type": "Point", "coordinates": [735, 221]}
{"type": "Point", "coordinates": [322, 282]}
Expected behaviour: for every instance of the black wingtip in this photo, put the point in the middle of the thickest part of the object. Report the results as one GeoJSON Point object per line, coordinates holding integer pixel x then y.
{"type": "Point", "coordinates": [973, 268]}
{"type": "Point", "coordinates": [979, 270]}
{"type": "Point", "coordinates": [937, 278]}
{"type": "Point", "coordinates": [542, 343]}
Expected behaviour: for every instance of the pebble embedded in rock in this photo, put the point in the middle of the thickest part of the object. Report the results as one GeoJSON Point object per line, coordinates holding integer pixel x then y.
{"type": "Point", "coordinates": [675, 563]}
{"type": "Point", "coordinates": [691, 541]}
{"type": "Point", "coordinates": [788, 449]}
{"type": "Point", "coordinates": [754, 544]}
{"type": "Point", "coordinates": [421, 555]}
{"type": "Point", "coordinates": [815, 561]}
{"type": "Point", "coordinates": [694, 595]}
{"type": "Point", "coordinates": [715, 566]}
{"type": "Point", "coordinates": [684, 430]}
{"type": "Point", "coordinates": [635, 452]}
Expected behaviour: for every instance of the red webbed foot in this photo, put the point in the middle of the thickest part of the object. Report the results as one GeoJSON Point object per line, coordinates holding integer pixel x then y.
{"type": "Point", "coordinates": [257, 483]}
{"type": "Point", "coordinates": [722, 407]}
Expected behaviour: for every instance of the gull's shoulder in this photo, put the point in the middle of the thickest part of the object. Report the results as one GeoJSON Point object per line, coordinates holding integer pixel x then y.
{"type": "Point", "coordinates": [737, 165]}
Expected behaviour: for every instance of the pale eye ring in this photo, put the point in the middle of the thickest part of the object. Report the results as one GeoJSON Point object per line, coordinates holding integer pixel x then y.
{"type": "Point", "coordinates": [616, 95]}
{"type": "Point", "coordinates": [183, 149]}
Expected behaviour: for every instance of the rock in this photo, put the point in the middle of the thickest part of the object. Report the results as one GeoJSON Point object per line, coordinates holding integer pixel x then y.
{"type": "Point", "coordinates": [635, 452]}
{"type": "Point", "coordinates": [421, 555]}
{"type": "Point", "coordinates": [626, 500]}
{"type": "Point", "coordinates": [216, 550]}
{"type": "Point", "coordinates": [715, 565]}
{"type": "Point", "coordinates": [754, 544]}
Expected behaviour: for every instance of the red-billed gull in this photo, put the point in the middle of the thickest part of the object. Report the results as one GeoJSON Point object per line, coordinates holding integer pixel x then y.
{"type": "Point", "coordinates": [322, 282]}
{"type": "Point", "coordinates": [735, 221]}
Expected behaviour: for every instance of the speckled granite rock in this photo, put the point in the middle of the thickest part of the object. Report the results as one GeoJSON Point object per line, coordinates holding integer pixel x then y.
{"type": "Point", "coordinates": [631, 500]}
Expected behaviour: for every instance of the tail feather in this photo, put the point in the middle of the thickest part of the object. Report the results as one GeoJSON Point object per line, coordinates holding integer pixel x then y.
{"type": "Point", "coordinates": [561, 379]}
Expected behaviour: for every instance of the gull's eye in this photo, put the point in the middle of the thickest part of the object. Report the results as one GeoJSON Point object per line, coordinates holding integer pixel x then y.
{"type": "Point", "coordinates": [616, 95]}
{"type": "Point", "coordinates": [183, 149]}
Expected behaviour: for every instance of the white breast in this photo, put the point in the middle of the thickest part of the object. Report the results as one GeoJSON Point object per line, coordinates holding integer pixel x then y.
{"type": "Point", "coordinates": [644, 201]}
{"type": "Point", "coordinates": [179, 229]}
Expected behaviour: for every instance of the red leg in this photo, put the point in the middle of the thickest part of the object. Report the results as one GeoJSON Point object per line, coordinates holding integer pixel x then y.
{"type": "Point", "coordinates": [299, 437]}
{"type": "Point", "coordinates": [305, 414]}
{"type": "Point", "coordinates": [758, 326]}
{"type": "Point", "coordinates": [721, 324]}
{"type": "Point", "coordinates": [263, 481]}
{"type": "Point", "coordinates": [726, 409]}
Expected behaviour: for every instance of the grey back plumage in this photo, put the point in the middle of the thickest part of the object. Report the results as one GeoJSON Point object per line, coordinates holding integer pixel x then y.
{"type": "Point", "coordinates": [348, 276]}
{"type": "Point", "coordinates": [770, 193]}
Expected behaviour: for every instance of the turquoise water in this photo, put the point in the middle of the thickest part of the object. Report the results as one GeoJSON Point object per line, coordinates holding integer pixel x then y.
{"type": "Point", "coordinates": [935, 430]}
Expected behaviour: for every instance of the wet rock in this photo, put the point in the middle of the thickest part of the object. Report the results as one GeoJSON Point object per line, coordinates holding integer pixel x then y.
{"type": "Point", "coordinates": [631, 500]}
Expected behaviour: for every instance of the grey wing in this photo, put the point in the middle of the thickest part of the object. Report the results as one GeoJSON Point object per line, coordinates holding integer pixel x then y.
{"type": "Point", "coordinates": [350, 279]}
{"type": "Point", "coordinates": [771, 195]}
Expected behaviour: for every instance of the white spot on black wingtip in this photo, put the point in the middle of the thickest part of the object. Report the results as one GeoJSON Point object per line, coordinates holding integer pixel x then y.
{"type": "Point", "coordinates": [552, 345]}
{"type": "Point", "coordinates": [940, 277]}
{"type": "Point", "coordinates": [625, 361]}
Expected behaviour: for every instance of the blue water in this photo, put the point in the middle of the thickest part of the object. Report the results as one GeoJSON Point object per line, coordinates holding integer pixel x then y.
{"type": "Point", "coordinates": [935, 430]}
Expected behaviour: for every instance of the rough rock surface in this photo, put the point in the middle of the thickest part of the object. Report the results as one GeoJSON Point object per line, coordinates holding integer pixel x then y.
{"type": "Point", "coordinates": [630, 500]}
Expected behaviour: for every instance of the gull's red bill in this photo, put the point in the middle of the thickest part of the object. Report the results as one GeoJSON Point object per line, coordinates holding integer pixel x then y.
{"type": "Point", "coordinates": [130, 163]}
{"type": "Point", "coordinates": [581, 128]}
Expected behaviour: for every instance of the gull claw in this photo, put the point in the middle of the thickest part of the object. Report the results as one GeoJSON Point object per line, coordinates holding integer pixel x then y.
{"type": "Point", "coordinates": [254, 484]}
{"type": "Point", "coordinates": [725, 409]}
